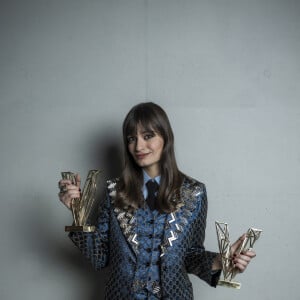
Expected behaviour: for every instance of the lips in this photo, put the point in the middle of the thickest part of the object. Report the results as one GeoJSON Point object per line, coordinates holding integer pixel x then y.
{"type": "Point", "coordinates": [141, 156]}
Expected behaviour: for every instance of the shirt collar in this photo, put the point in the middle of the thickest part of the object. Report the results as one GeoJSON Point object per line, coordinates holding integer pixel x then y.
{"type": "Point", "coordinates": [147, 178]}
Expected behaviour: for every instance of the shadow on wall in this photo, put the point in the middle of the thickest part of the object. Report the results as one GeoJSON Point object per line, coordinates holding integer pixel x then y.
{"type": "Point", "coordinates": [44, 241]}
{"type": "Point", "coordinates": [106, 153]}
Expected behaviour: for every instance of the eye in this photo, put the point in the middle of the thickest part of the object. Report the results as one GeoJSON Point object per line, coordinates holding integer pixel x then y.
{"type": "Point", "coordinates": [131, 139]}
{"type": "Point", "coordinates": [148, 136]}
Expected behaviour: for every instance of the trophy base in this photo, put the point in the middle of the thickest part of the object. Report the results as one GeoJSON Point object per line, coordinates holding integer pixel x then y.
{"type": "Point", "coordinates": [83, 228]}
{"type": "Point", "coordinates": [231, 284]}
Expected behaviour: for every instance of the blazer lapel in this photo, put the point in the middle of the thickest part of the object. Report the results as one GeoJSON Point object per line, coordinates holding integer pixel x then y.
{"type": "Point", "coordinates": [128, 226]}
{"type": "Point", "coordinates": [176, 221]}
{"type": "Point", "coordinates": [126, 220]}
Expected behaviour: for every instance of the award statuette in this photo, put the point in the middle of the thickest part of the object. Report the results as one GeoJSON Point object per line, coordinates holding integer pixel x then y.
{"type": "Point", "coordinates": [81, 207]}
{"type": "Point", "coordinates": [228, 268]}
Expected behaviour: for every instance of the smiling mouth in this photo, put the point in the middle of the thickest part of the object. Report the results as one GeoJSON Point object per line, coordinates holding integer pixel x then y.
{"type": "Point", "coordinates": [141, 156]}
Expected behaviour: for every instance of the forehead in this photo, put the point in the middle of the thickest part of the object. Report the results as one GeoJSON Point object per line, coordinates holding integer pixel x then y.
{"type": "Point", "coordinates": [139, 128]}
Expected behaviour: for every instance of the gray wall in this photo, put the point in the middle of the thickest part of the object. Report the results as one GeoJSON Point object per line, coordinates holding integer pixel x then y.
{"type": "Point", "coordinates": [225, 71]}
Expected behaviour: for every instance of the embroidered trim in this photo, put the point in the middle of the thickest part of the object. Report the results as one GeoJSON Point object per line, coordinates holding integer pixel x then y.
{"type": "Point", "coordinates": [175, 223]}
{"type": "Point", "coordinates": [177, 220]}
{"type": "Point", "coordinates": [126, 219]}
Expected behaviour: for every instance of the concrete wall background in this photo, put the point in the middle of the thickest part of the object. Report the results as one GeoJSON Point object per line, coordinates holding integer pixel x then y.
{"type": "Point", "coordinates": [227, 74]}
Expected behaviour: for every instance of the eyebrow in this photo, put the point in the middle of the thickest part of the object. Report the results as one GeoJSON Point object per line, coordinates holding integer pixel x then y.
{"type": "Point", "coordinates": [148, 131]}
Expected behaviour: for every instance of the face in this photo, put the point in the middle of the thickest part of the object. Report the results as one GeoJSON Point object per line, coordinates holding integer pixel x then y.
{"type": "Point", "coordinates": [146, 149]}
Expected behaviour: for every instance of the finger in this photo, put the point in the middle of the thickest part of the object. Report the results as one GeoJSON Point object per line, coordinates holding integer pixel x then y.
{"type": "Point", "coordinates": [241, 257]}
{"type": "Point", "coordinates": [73, 194]}
{"type": "Point", "coordinates": [65, 189]}
{"type": "Point", "coordinates": [240, 265]}
{"type": "Point", "coordinates": [71, 191]}
{"type": "Point", "coordinates": [65, 200]}
{"type": "Point", "coordinates": [63, 182]}
{"type": "Point", "coordinates": [249, 253]}
{"type": "Point", "coordinates": [70, 194]}
{"type": "Point", "coordinates": [241, 262]}
{"type": "Point", "coordinates": [237, 244]}
{"type": "Point", "coordinates": [73, 188]}
{"type": "Point", "coordinates": [240, 240]}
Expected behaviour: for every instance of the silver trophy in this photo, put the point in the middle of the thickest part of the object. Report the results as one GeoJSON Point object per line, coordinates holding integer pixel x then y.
{"type": "Point", "coordinates": [228, 269]}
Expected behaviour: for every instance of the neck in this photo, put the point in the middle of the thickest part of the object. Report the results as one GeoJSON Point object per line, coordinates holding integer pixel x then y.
{"type": "Point", "coordinates": [152, 172]}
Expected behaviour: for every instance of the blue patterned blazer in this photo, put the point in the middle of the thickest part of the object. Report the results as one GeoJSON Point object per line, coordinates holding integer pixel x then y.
{"type": "Point", "coordinates": [182, 251]}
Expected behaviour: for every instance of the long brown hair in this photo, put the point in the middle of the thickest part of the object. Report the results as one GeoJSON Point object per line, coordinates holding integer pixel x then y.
{"type": "Point", "coordinates": [129, 188]}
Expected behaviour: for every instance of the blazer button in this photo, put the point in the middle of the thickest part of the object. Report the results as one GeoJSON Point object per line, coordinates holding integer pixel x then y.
{"type": "Point", "coordinates": [150, 236]}
{"type": "Point", "coordinates": [148, 250]}
{"type": "Point", "coordinates": [147, 264]}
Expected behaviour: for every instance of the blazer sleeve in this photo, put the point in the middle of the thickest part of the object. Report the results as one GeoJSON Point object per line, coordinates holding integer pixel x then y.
{"type": "Point", "coordinates": [198, 261]}
{"type": "Point", "coordinates": [95, 245]}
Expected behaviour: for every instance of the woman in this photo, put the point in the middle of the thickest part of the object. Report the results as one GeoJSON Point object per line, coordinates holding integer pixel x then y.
{"type": "Point", "coordinates": [151, 227]}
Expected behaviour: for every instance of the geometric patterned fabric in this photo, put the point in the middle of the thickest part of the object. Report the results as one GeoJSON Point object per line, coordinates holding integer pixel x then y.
{"type": "Point", "coordinates": [122, 239]}
{"type": "Point", "coordinates": [150, 227]}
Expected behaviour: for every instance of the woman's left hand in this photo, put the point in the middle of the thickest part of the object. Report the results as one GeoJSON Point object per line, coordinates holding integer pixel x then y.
{"type": "Point", "coordinates": [241, 260]}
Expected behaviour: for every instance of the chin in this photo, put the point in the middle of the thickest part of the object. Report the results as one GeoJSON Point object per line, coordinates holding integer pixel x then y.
{"type": "Point", "coordinates": [142, 165]}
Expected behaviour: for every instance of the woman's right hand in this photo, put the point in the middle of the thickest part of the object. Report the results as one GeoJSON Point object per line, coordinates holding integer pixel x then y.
{"type": "Point", "coordinates": [69, 191]}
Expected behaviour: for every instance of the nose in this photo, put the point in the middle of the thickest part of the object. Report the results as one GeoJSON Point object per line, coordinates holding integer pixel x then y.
{"type": "Point", "coordinates": [139, 145]}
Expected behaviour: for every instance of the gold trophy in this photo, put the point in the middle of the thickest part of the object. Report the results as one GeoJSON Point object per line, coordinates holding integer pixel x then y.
{"type": "Point", "coordinates": [81, 207]}
{"type": "Point", "coordinates": [228, 269]}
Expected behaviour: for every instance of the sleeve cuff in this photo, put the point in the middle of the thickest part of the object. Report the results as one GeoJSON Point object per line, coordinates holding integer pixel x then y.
{"type": "Point", "coordinates": [215, 276]}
